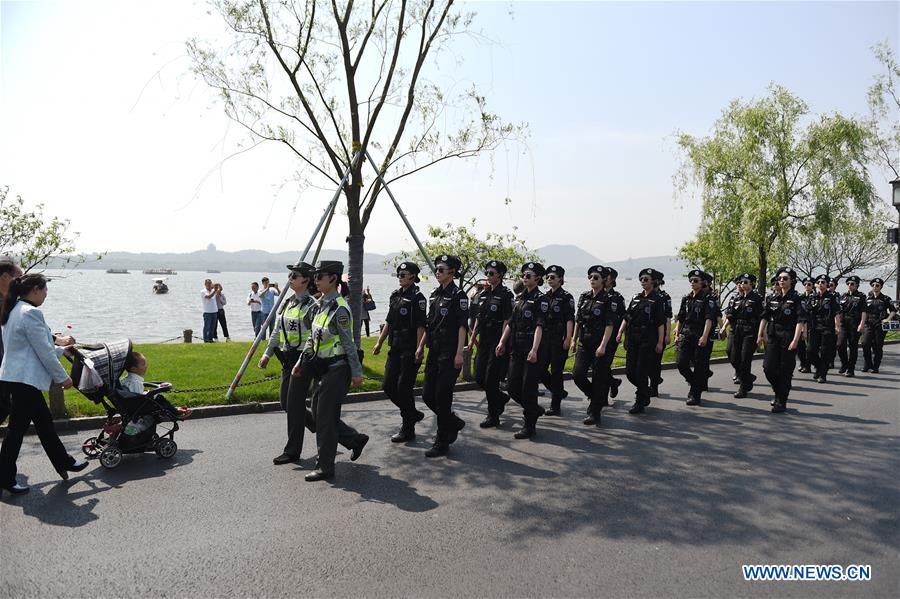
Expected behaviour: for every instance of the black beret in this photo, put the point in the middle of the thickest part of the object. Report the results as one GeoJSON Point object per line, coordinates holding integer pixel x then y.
{"type": "Point", "coordinates": [600, 270]}
{"type": "Point", "coordinates": [410, 267]}
{"type": "Point", "coordinates": [332, 267]}
{"type": "Point", "coordinates": [557, 270]}
{"type": "Point", "coordinates": [647, 272]}
{"type": "Point", "coordinates": [707, 277]}
{"type": "Point", "coordinates": [303, 268]}
{"type": "Point", "coordinates": [696, 273]}
{"type": "Point", "coordinates": [496, 265]}
{"type": "Point", "coordinates": [612, 272]}
{"type": "Point", "coordinates": [536, 267]}
{"type": "Point", "coordinates": [790, 271]}
{"type": "Point", "coordinates": [825, 278]}
{"type": "Point", "coordinates": [807, 280]}
{"type": "Point", "coordinates": [451, 261]}
{"type": "Point", "coordinates": [853, 279]}
{"type": "Point", "coordinates": [658, 276]}
{"type": "Point", "coordinates": [878, 280]}
{"type": "Point", "coordinates": [746, 275]}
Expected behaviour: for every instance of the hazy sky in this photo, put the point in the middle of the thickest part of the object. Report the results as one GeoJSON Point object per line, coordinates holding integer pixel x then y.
{"type": "Point", "coordinates": [102, 122]}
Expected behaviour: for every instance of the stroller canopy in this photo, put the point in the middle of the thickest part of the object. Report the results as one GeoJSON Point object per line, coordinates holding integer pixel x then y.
{"type": "Point", "coordinates": [106, 359]}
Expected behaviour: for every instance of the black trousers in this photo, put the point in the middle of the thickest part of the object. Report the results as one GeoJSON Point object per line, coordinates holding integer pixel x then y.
{"type": "Point", "coordinates": [489, 371]}
{"type": "Point", "coordinates": [552, 375]}
{"type": "Point", "coordinates": [330, 429]}
{"type": "Point", "coordinates": [400, 370]}
{"type": "Point", "coordinates": [640, 365]}
{"type": "Point", "coordinates": [293, 394]}
{"type": "Point", "coordinates": [595, 389]}
{"type": "Point", "coordinates": [821, 348]}
{"type": "Point", "coordinates": [28, 406]}
{"type": "Point", "coordinates": [437, 392]}
{"type": "Point", "coordinates": [803, 353]}
{"type": "Point", "coordinates": [693, 362]}
{"type": "Point", "coordinates": [743, 346]}
{"type": "Point", "coordinates": [4, 400]}
{"type": "Point", "coordinates": [873, 344]}
{"type": "Point", "coordinates": [779, 362]}
{"type": "Point", "coordinates": [848, 345]}
{"type": "Point", "coordinates": [522, 383]}
{"type": "Point", "coordinates": [220, 318]}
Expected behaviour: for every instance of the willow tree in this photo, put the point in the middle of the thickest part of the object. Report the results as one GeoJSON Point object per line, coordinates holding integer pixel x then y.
{"type": "Point", "coordinates": [770, 167]}
{"type": "Point", "coordinates": [331, 80]}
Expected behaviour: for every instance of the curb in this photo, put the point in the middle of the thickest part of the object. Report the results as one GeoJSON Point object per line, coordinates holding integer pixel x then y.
{"type": "Point", "coordinates": [95, 422]}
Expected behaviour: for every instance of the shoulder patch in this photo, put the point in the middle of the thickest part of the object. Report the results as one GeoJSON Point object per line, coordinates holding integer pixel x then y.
{"type": "Point", "coordinates": [464, 303]}
{"type": "Point", "coordinates": [343, 321]}
{"type": "Point", "coordinates": [423, 303]}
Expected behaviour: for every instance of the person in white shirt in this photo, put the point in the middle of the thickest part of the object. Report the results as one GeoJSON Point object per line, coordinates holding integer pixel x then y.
{"type": "Point", "coordinates": [210, 310]}
{"type": "Point", "coordinates": [220, 313]}
{"type": "Point", "coordinates": [255, 303]}
{"type": "Point", "coordinates": [136, 367]}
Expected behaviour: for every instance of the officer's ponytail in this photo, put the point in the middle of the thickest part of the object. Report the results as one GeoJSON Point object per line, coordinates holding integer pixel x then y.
{"type": "Point", "coordinates": [18, 288]}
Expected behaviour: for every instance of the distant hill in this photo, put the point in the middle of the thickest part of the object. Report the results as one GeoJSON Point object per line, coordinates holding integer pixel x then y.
{"type": "Point", "coordinates": [570, 257]}
{"type": "Point", "coordinates": [671, 266]}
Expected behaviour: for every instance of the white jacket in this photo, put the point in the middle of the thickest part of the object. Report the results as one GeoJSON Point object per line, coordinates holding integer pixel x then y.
{"type": "Point", "coordinates": [29, 355]}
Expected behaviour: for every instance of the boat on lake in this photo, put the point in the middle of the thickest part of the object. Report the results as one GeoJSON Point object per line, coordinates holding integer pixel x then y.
{"type": "Point", "coordinates": [117, 271]}
{"type": "Point", "coordinates": [159, 271]}
{"type": "Point", "coordinates": [159, 286]}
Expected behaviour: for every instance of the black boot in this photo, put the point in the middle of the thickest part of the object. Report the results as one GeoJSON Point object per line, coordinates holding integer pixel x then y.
{"type": "Point", "coordinates": [490, 422]}
{"type": "Point", "coordinates": [842, 370]}
{"type": "Point", "coordinates": [528, 431]}
{"type": "Point", "coordinates": [614, 387]}
{"type": "Point", "coordinates": [780, 406]}
{"type": "Point", "coordinates": [407, 433]}
{"type": "Point", "coordinates": [440, 448]}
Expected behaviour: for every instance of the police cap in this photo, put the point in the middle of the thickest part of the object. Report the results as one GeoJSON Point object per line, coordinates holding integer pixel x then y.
{"type": "Point", "coordinates": [536, 267]}
{"type": "Point", "coordinates": [825, 278]}
{"type": "Point", "coordinates": [697, 273]}
{"type": "Point", "coordinates": [449, 260]}
{"type": "Point", "coordinates": [599, 269]}
{"type": "Point", "coordinates": [303, 268]}
{"type": "Point", "coordinates": [647, 272]}
{"type": "Point", "coordinates": [746, 276]}
{"type": "Point", "coordinates": [410, 267]}
{"type": "Point", "coordinates": [790, 271]}
{"type": "Point", "coordinates": [612, 272]}
{"type": "Point", "coordinates": [496, 265]}
{"type": "Point", "coordinates": [878, 280]}
{"type": "Point", "coordinates": [853, 279]}
{"type": "Point", "coordinates": [331, 267]}
{"type": "Point", "coordinates": [557, 270]}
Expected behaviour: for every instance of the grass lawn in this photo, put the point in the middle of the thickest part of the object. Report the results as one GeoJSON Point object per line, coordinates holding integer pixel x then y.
{"type": "Point", "coordinates": [195, 365]}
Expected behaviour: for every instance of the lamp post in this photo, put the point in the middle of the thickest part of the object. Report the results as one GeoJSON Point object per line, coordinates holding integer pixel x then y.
{"type": "Point", "coordinates": [895, 198]}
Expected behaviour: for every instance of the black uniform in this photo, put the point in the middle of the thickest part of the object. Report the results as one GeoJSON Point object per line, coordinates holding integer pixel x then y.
{"type": "Point", "coordinates": [406, 313]}
{"type": "Point", "coordinates": [822, 335]}
{"type": "Point", "coordinates": [743, 314]}
{"type": "Point", "coordinates": [496, 306]}
{"type": "Point", "coordinates": [645, 314]}
{"type": "Point", "coordinates": [693, 313]}
{"type": "Point", "coordinates": [594, 314]}
{"type": "Point", "coordinates": [877, 309]}
{"type": "Point", "coordinates": [667, 311]}
{"type": "Point", "coordinates": [802, 350]}
{"type": "Point", "coordinates": [529, 312]}
{"type": "Point", "coordinates": [852, 311]}
{"type": "Point", "coordinates": [782, 313]}
{"type": "Point", "coordinates": [561, 312]}
{"type": "Point", "coordinates": [448, 310]}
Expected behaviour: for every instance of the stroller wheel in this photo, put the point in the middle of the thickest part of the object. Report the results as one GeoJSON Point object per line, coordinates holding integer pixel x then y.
{"type": "Point", "coordinates": [92, 447]}
{"type": "Point", "coordinates": [166, 448]}
{"type": "Point", "coordinates": [111, 457]}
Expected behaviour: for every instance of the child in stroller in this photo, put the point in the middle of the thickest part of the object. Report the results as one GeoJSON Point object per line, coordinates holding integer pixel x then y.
{"type": "Point", "coordinates": [132, 418]}
{"type": "Point", "coordinates": [136, 367]}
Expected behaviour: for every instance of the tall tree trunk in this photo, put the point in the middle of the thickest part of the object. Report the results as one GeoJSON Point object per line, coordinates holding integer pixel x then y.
{"type": "Point", "coordinates": [355, 248]}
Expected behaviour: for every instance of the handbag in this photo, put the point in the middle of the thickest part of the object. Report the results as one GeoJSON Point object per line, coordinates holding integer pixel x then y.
{"type": "Point", "coordinates": [369, 305]}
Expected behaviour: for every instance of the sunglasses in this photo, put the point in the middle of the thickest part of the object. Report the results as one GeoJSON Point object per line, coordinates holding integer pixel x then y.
{"type": "Point", "coordinates": [644, 279]}
{"type": "Point", "coordinates": [294, 275]}
{"type": "Point", "coordinates": [442, 269]}
{"type": "Point", "coordinates": [594, 277]}
{"type": "Point", "coordinates": [403, 275]}
{"type": "Point", "coordinates": [552, 277]}
{"type": "Point", "coordinates": [322, 275]}
{"type": "Point", "coordinates": [693, 280]}
{"type": "Point", "coordinates": [876, 284]}
{"type": "Point", "coordinates": [788, 279]}
{"type": "Point", "coordinates": [528, 275]}
{"type": "Point", "coordinates": [492, 273]}
{"type": "Point", "coordinates": [744, 282]}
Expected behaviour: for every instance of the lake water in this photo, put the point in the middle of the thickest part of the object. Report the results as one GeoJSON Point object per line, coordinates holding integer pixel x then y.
{"type": "Point", "coordinates": [101, 307]}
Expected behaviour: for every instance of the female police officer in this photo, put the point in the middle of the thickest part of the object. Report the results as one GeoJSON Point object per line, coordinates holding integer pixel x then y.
{"type": "Point", "coordinates": [645, 323]}
{"type": "Point", "coordinates": [782, 323]}
{"type": "Point", "coordinates": [522, 339]}
{"type": "Point", "coordinates": [292, 325]}
{"type": "Point", "coordinates": [405, 325]}
{"type": "Point", "coordinates": [878, 307]}
{"type": "Point", "coordinates": [445, 335]}
{"type": "Point", "coordinates": [556, 337]}
{"type": "Point", "coordinates": [742, 315]}
{"type": "Point", "coordinates": [495, 308]}
{"type": "Point", "coordinates": [330, 356]}
{"type": "Point", "coordinates": [853, 304]}
{"type": "Point", "coordinates": [696, 316]}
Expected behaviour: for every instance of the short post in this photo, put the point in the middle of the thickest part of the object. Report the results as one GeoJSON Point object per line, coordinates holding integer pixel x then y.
{"type": "Point", "coordinates": [58, 402]}
{"type": "Point", "coordinates": [188, 335]}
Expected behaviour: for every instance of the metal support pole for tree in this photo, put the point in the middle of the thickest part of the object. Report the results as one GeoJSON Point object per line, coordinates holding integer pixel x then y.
{"type": "Point", "coordinates": [400, 212]}
{"type": "Point", "coordinates": [326, 216]}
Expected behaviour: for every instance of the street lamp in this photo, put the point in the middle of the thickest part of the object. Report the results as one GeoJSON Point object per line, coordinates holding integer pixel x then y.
{"type": "Point", "coordinates": [895, 198]}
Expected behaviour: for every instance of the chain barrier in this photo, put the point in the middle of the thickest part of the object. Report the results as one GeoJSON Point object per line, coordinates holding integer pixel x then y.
{"type": "Point", "coordinates": [271, 377]}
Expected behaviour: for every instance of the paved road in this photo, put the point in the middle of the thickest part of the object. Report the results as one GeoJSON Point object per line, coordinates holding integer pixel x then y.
{"type": "Point", "coordinates": [670, 503]}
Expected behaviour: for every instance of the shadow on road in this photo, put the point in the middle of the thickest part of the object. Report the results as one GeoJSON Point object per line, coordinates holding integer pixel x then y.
{"type": "Point", "coordinates": [371, 485]}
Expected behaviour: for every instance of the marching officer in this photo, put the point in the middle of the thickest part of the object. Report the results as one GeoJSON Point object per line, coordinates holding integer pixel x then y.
{"type": "Point", "coordinates": [644, 324]}
{"type": "Point", "coordinates": [618, 305]}
{"type": "Point", "coordinates": [802, 349]}
{"type": "Point", "coordinates": [496, 303]}
{"type": "Point", "coordinates": [696, 316]}
{"type": "Point", "coordinates": [445, 335]}
{"type": "Point", "coordinates": [522, 340]}
{"type": "Point", "coordinates": [780, 327]}
{"type": "Point", "coordinates": [853, 304]}
{"type": "Point", "coordinates": [404, 328]}
{"type": "Point", "coordinates": [330, 356]}
{"type": "Point", "coordinates": [878, 308]}
{"type": "Point", "coordinates": [824, 314]}
{"type": "Point", "coordinates": [742, 316]}
{"type": "Point", "coordinates": [658, 282]}
{"type": "Point", "coordinates": [292, 326]}
{"type": "Point", "coordinates": [556, 337]}
{"type": "Point", "coordinates": [596, 322]}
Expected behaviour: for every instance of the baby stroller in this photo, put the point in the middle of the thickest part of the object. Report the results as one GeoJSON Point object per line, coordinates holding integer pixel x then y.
{"type": "Point", "coordinates": [131, 418]}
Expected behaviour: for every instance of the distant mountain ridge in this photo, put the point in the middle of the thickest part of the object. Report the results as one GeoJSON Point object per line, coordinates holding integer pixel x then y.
{"type": "Point", "coordinates": [573, 258]}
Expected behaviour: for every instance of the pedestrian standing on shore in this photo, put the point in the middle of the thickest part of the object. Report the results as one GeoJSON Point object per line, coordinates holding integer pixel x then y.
{"type": "Point", "coordinates": [368, 304]}
{"type": "Point", "coordinates": [253, 300]}
{"type": "Point", "coordinates": [404, 326]}
{"type": "Point", "coordinates": [220, 313]}
{"type": "Point", "coordinates": [210, 310]}
{"type": "Point", "coordinates": [267, 296]}
{"type": "Point", "coordinates": [30, 365]}
{"type": "Point", "coordinates": [293, 324]}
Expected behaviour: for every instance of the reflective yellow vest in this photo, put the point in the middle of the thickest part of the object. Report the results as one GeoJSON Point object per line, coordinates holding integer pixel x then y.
{"type": "Point", "coordinates": [292, 331]}
{"type": "Point", "coordinates": [329, 344]}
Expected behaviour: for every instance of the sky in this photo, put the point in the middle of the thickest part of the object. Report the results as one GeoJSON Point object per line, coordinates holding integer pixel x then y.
{"type": "Point", "coordinates": [102, 121]}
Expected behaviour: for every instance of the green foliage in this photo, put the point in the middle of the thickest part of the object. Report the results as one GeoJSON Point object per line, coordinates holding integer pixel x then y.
{"type": "Point", "coordinates": [768, 168]}
{"type": "Point", "coordinates": [473, 250]}
{"type": "Point", "coordinates": [33, 238]}
{"type": "Point", "coordinates": [884, 109]}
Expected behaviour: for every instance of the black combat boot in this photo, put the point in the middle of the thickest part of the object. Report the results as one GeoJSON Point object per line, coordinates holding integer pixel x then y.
{"type": "Point", "coordinates": [490, 422]}
{"type": "Point", "coordinates": [440, 448]}
{"type": "Point", "coordinates": [407, 433]}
